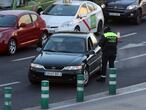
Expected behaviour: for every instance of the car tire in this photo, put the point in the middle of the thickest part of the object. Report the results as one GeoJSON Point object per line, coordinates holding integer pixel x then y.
{"type": "Point", "coordinates": [77, 29]}
{"type": "Point", "coordinates": [86, 77]}
{"type": "Point", "coordinates": [12, 47]}
{"type": "Point", "coordinates": [138, 18]}
{"type": "Point", "coordinates": [32, 78]}
{"type": "Point", "coordinates": [43, 39]}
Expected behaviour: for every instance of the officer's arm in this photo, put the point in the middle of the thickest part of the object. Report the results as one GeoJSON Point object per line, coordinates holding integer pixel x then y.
{"type": "Point", "coordinates": [101, 41]}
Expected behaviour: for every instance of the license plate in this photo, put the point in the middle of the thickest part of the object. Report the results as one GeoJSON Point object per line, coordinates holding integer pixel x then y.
{"type": "Point", "coordinates": [48, 73]}
{"type": "Point", "coordinates": [114, 14]}
{"type": "Point", "coordinates": [51, 30]}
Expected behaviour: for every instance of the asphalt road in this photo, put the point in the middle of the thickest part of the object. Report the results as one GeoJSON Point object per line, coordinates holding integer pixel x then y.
{"type": "Point", "coordinates": [128, 100]}
{"type": "Point", "coordinates": [130, 62]}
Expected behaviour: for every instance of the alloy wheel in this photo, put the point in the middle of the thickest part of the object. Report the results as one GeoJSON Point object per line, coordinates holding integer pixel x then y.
{"type": "Point", "coordinates": [86, 77]}
{"type": "Point", "coordinates": [12, 46]}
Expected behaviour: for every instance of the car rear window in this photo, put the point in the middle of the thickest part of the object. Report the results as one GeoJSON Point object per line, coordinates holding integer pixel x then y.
{"type": "Point", "coordinates": [61, 10]}
{"type": "Point", "coordinates": [7, 20]}
{"type": "Point", "coordinates": [65, 44]}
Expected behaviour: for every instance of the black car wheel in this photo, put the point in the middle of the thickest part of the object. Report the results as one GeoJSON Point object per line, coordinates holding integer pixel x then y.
{"type": "Point", "coordinates": [86, 76]}
{"type": "Point", "coordinates": [43, 39]}
{"type": "Point", "coordinates": [138, 18]}
{"type": "Point", "coordinates": [12, 46]}
{"type": "Point", "coordinates": [32, 78]}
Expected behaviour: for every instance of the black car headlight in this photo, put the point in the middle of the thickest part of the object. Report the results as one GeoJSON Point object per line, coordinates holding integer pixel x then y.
{"type": "Point", "coordinates": [131, 7]}
{"type": "Point", "coordinates": [73, 67]}
{"type": "Point", "coordinates": [103, 6]}
{"type": "Point", "coordinates": [38, 66]}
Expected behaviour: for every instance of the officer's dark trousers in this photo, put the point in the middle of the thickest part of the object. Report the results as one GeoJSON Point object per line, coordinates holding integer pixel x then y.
{"type": "Point", "coordinates": [107, 59]}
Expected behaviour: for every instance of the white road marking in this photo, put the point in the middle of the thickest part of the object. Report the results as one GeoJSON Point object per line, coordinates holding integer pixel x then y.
{"type": "Point", "coordinates": [124, 59]}
{"type": "Point", "coordinates": [25, 58]}
{"type": "Point", "coordinates": [97, 99]}
{"type": "Point", "coordinates": [127, 35]}
{"type": "Point", "coordinates": [133, 57]}
{"type": "Point", "coordinates": [132, 45]}
{"type": "Point", "coordinates": [8, 84]}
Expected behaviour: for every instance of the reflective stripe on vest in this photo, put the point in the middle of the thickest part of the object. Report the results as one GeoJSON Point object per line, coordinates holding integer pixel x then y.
{"type": "Point", "coordinates": [111, 36]}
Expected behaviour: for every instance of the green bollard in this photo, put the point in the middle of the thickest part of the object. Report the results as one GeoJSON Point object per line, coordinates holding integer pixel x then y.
{"type": "Point", "coordinates": [44, 94]}
{"type": "Point", "coordinates": [7, 98]}
{"type": "Point", "coordinates": [112, 81]}
{"type": "Point", "coordinates": [80, 88]}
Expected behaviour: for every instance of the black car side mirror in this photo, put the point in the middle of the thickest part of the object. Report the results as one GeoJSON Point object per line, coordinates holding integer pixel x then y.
{"type": "Point", "coordinates": [38, 49]}
{"type": "Point", "coordinates": [91, 52]}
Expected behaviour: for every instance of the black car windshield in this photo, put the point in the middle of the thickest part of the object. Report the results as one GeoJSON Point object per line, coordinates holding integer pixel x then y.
{"type": "Point", "coordinates": [65, 44]}
{"type": "Point", "coordinates": [7, 20]}
{"type": "Point", "coordinates": [61, 10]}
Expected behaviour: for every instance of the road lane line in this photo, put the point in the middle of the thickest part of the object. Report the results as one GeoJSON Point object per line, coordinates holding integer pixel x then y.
{"type": "Point", "coordinates": [25, 58]}
{"type": "Point", "coordinates": [127, 35]}
{"type": "Point", "coordinates": [132, 45]}
{"type": "Point", "coordinates": [124, 59]}
{"type": "Point", "coordinates": [8, 84]}
{"type": "Point", "coordinates": [133, 57]}
{"type": "Point", "coordinates": [98, 99]}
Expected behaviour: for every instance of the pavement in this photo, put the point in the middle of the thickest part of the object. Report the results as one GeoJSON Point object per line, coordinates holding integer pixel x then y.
{"type": "Point", "coordinates": [128, 98]}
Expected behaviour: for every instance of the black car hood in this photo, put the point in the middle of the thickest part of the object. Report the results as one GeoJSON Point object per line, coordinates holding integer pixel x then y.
{"type": "Point", "coordinates": [120, 3]}
{"type": "Point", "coordinates": [57, 59]}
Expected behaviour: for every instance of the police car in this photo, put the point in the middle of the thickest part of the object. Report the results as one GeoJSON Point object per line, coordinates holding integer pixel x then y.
{"type": "Point", "coordinates": [67, 15]}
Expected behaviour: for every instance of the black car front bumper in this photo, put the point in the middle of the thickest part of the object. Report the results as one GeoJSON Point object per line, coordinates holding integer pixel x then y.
{"type": "Point", "coordinates": [120, 14]}
{"type": "Point", "coordinates": [68, 76]}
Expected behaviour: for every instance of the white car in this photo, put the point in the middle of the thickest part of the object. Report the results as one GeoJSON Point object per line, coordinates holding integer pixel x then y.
{"type": "Point", "coordinates": [84, 16]}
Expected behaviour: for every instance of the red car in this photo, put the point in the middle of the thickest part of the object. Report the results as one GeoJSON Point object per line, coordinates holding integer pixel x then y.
{"type": "Point", "coordinates": [20, 28]}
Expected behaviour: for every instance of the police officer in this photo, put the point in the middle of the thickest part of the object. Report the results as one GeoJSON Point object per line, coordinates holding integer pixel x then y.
{"type": "Point", "coordinates": [108, 44]}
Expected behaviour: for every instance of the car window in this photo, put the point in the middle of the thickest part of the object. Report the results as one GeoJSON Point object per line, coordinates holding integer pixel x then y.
{"type": "Point", "coordinates": [94, 41]}
{"type": "Point", "coordinates": [65, 44]}
{"type": "Point", "coordinates": [25, 19]}
{"type": "Point", "coordinates": [90, 44]}
{"type": "Point", "coordinates": [34, 17]}
{"type": "Point", "coordinates": [83, 10]}
{"type": "Point", "coordinates": [61, 10]}
{"type": "Point", "coordinates": [91, 7]}
{"type": "Point", "coordinates": [7, 20]}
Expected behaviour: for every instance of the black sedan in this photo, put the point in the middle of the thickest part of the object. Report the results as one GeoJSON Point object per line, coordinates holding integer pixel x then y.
{"type": "Point", "coordinates": [64, 55]}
